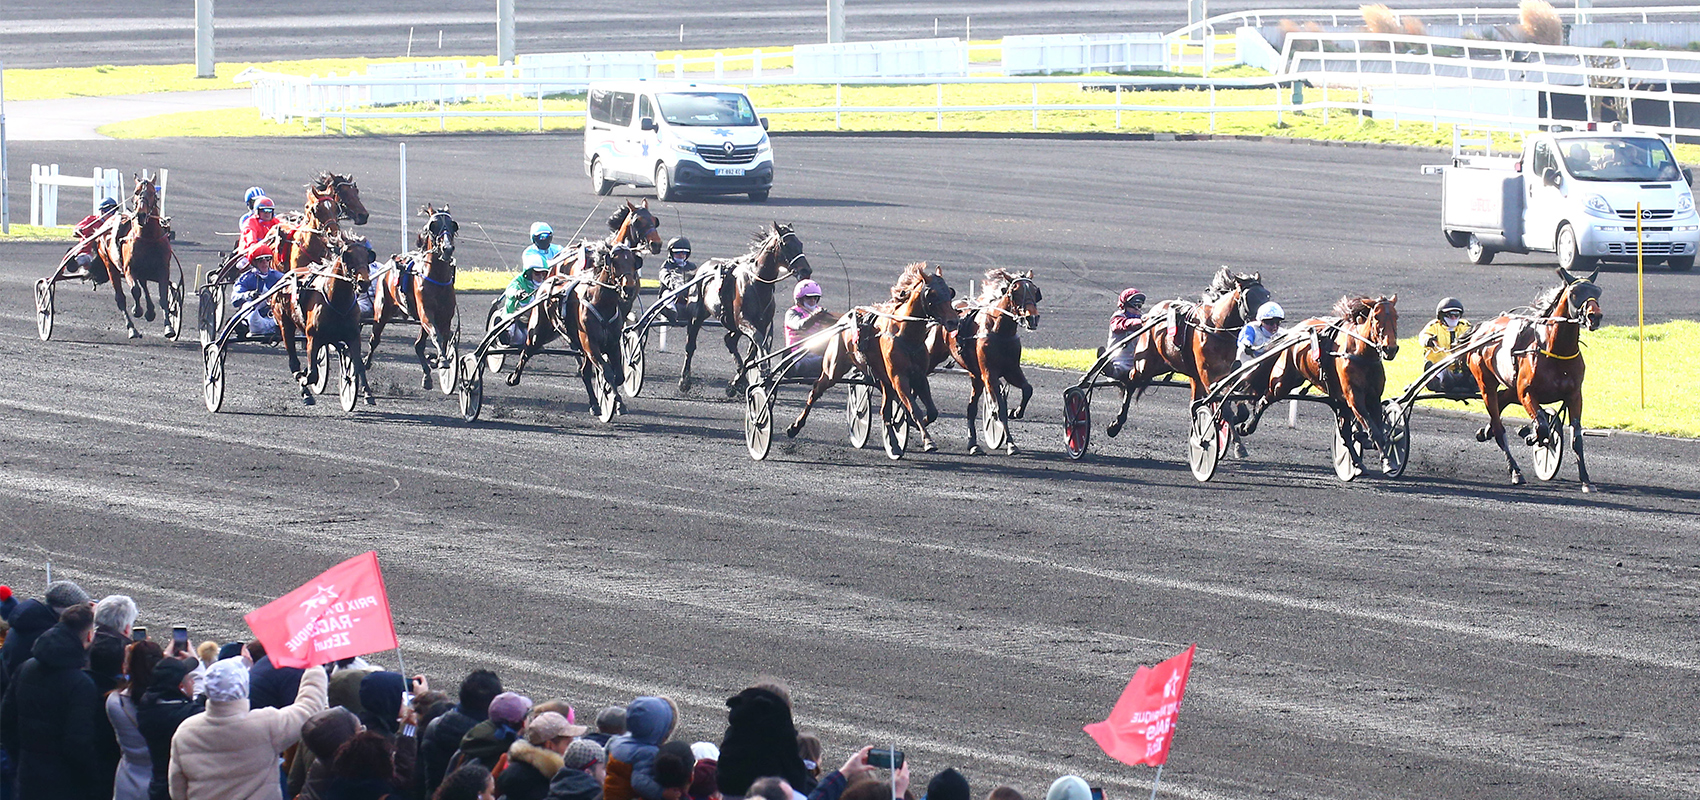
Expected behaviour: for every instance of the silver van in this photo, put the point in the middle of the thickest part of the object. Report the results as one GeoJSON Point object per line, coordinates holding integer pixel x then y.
{"type": "Point", "coordinates": [679, 137]}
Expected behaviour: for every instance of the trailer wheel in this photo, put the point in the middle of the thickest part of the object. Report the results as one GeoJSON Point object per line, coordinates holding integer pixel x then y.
{"type": "Point", "coordinates": [1477, 252]}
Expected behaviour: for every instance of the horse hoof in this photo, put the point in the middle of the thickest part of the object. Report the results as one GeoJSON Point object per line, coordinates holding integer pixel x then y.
{"type": "Point", "coordinates": [1240, 451]}
{"type": "Point", "coordinates": [371, 401]}
{"type": "Point", "coordinates": [929, 447]}
{"type": "Point", "coordinates": [307, 399]}
{"type": "Point", "coordinates": [791, 431]}
{"type": "Point", "coordinates": [1013, 450]}
{"type": "Point", "coordinates": [425, 383]}
{"type": "Point", "coordinates": [1587, 488]}
{"type": "Point", "coordinates": [148, 316]}
{"type": "Point", "coordinates": [974, 450]}
{"type": "Point", "coordinates": [512, 379]}
{"type": "Point", "coordinates": [1516, 479]}
{"type": "Point", "coordinates": [135, 334]}
{"type": "Point", "coordinates": [1482, 434]}
{"type": "Point", "coordinates": [1113, 429]}
{"type": "Point", "coordinates": [1524, 432]}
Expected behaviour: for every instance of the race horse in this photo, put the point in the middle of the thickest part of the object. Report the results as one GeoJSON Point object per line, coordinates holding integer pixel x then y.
{"type": "Point", "coordinates": [306, 238]}
{"type": "Point", "coordinates": [584, 308]}
{"type": "Point", "coordinates": [420, 286]}
{"type": "Point", "coordinates": [633, 226]}
{"type": "Point", "coordinates": [1534, 360]}
{"type": "Point", "coordinates": [325, 306]}
{"type": "Point", "coordinates": [138, 250]}
{"type": "Point", "coordinates": [888, 342]}
{"type": "Point", "coordinates": [1198, 340]}
{"type": "Point", "coordinates": [987, 343]}
{"type": "Point", "coordinates": [1344, 362]}
{"type": "Point", "coordinates": [738, 292]}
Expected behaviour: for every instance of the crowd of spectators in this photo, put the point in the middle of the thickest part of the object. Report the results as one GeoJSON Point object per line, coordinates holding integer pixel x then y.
{"type": "Point", "coordinates": [91, 709]}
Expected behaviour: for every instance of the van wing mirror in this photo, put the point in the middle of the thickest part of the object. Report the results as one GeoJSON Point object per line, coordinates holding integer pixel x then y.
{"type": "Point", "coordinates": [764, 123]}
{"type": "Point", "coordinates": [1550, 176]}
{"type": "Point", "coordinates": [1688, 175]}
{"type": "Point", "coordinates": [647, 123]}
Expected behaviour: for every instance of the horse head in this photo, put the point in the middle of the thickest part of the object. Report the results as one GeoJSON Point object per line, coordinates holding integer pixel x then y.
{"type": "Point", "coordinates": [344, 192]}
{"type": "Point", "coordinates": [925, 294]}
{"type": "Point", "coordinates": [146, 195]}
{"type": "Point", "coordinates": [1024, 296]}
{"type": "Point", "coordinates": [1580, 299]}
{"type": "Point", "coordinates": [323, 207]}
{"type": "Point", "coordinates": [439, 233]}
{"type": "Point", "coordinates": [1381, 324]}
{"type": "Point", "coordinates": [636, 226]}
{"type": "Point", "coordinates": [790, 250]}
{"type": "Point", "coordinates": [1235, 294]}
{"type": "Point", "coordinates": [618, 267]}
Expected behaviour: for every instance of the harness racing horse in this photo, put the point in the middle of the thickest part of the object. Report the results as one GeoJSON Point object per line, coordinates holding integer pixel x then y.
{"type": "Point", "coordinates": [585, 309]}
{"type": "Point", "coordinates": [306, 238]}
{"type": "Point", "coordinates": [421, 286]}
{"type": "Point", "coordinates": [1530, 361]}
{"type": "Point", "coordinates": [738, 292]}
{"type": "Point", "coordinates": [632, 226]}
{"type": "Point", "coordinates": [1344, 362]}
{"type": "Point", "coordinates": [325, 306]}
{"type": "Point", "coordinates": [988, 345]}
{"type": "Point", "coordinates": [138, 249]}
{"type": "Point", "coordinates": [888, 343]}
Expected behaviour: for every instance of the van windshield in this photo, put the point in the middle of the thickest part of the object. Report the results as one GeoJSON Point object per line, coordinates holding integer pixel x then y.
{"type": "Point", "coordinates": [706, 108]}
{"type": "Point", "coordinates": [1619, 158]}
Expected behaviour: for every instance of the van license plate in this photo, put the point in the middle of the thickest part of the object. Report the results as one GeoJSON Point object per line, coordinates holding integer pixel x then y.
{"type": "Point", "coordinates": [731, 171]}
{"type": "Point", "coordinates": [1658, 237]}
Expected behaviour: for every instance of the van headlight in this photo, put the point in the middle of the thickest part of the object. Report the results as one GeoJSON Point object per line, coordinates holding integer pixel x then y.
{"type": "Point", "coordinates": [1597, 205]}
{"type": "Point", "coordinates": [1684, 203]}
{"type": "Point", "coordinates": [763, 145]}
{"type": "Point", "coordinates": [684, 147]}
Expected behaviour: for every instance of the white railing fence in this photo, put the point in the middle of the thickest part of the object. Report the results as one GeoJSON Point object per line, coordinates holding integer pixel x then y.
{"type": "Point", "coordinates": [45, 180]}
{"type": "Point", "coordinates": [1084, 52]}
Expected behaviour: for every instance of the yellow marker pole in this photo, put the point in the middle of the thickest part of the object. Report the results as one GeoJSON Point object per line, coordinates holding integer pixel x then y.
{"type": "Point", "coordinates": [1641, 303]}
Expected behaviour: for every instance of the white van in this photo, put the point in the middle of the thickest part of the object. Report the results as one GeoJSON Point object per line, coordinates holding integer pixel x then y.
{"type": "Point", "coordinates": [680, 137]}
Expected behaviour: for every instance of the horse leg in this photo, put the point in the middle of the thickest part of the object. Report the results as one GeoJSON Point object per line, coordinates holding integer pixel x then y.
{"type": "Point", "coordinates": [732, 336]}
{"type": "Point", "coordinates": [1015, 376]}
{"type": "Point", "coordinates": [527, 349]}
{"type": "Point", "coordinates": [141, 288]}
{"type": "Point", "coordinates": [924, 390]}
{"type": "Point", "coordinates": [1495, 429]}
{"type": "Point", "coordinates": [118, 297]}
{"type": "Point", "coordinates": [832, 371]}
{"type": "Point", "coordinates": [164, 293]}
{"type": "Point", "coordinates": [1573, 405]}
{"type": "Point", "coordinates": [907, 395]}
{"type": "Point", "coordinates": [692, 327]}
{"type": "Point", "coordinates": [419, 351]}
{"type": "Point", "coordinates": [353, 350]}
{"type": "Point", "coordinates": [977, 387]}
{"type": "Point", "coordinates": [586, 372]}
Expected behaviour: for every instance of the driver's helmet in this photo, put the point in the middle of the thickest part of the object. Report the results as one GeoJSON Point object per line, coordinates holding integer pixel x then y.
{"type": "Point", "coordinates": [1270, 311]}
{"type": "Point", "coordinates": [806, 289]}
{"type": "Point", "coordinates": [261, 251]}
{"type": "Point", "coordinates": [1132, 298]}
{"type": "Point", "coordinates": [107, 204]}
{"type": "Point", "coordinates": [679, 245]}
{"type": "Point", "coordinates": [253, 194]}
{"type": "Point", "coordinates": [1448, 304]}
{"type": "Point", "coordinates": [533, 262]}
{"type": "Point", "coordinates": [265, 205]}
{"type": "Point", "coordinates": [541, 233]}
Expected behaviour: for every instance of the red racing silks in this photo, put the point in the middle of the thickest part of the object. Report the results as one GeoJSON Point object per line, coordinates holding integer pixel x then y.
{"type": "Point", "coordinates": [343, 612]}
{"type": "Point", "coordinates": [1142, 724]}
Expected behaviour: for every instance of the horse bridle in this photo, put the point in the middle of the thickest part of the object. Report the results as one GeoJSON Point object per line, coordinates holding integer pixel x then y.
{"type": "Point", "coordinates": [1369, 316]}
{"type": "Point", "coordinates": [437, 239]}
{"type": "Point", "coordinates": [789, 263]}
{"type": "Point", "coordinates": [1020, 316]}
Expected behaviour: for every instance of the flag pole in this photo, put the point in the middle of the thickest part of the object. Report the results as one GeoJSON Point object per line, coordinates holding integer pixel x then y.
{"type": "Point", "coordinates": [1155, 781]}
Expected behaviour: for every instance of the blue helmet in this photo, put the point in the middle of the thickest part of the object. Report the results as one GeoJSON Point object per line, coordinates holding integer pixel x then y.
{"type": "Point", "coordinates": [107, 204]}
{"type": "Point", "coordinates": [253, 193]}
{"type": "Point", "coordinates": [541, 229]}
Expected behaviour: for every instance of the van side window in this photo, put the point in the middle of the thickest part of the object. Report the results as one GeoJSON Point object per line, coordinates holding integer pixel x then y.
{"type": "Point", "coordinates": [600, 111]}
{"type": "Point", "coordinates": [1543, 159]}
{"type": "Point", "coordinates": [645, 111]}
{"type": "Point", "coordinates": [622, 108]}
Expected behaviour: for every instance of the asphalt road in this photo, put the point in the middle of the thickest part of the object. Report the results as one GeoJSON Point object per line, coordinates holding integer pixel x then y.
{"type": "Point", "coordinates": [39, 33]}
{"type": "Point", "coordinates": [1443, 635]}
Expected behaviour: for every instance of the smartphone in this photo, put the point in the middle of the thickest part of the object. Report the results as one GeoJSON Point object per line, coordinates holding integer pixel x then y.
{"type": "Point", "coordinates": [138, 634]}
{"type": "Point", "coordinates": [885, 758]}
{"type": "Point", "coordinates": [1097, 793]}
{"type": "Point", "coordinates": [180, 636]}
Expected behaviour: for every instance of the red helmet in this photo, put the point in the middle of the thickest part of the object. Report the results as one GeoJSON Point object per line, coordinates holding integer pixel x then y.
{"type": "Point", "coordinates": [1132, 297]}
{"type": "Point", "coordinates": [265, 204]}
{"type": "Point", "coordinates": [261, 250]}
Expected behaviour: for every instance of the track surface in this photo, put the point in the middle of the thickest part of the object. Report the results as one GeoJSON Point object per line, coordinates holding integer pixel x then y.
{"type": "Point", "coordinates": [1444, 635]}
{"type": "Point", "coordinates": [40, 33]}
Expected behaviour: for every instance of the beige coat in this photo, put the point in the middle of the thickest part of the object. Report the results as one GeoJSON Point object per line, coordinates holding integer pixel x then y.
{"type": "Point", "coordinates": [231, 752]}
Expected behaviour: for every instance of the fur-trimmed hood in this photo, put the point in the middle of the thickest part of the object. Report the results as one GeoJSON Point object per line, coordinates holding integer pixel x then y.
{"type": "Point", "coordinates": [544, 760]}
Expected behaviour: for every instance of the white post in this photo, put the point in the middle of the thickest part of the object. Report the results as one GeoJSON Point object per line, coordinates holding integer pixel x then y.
{"type": "Point", "coordinates": [834, 21]}
{"type": "Point", "coordinates": [678, 66]}
{"type": "Point", "coordinates": [504, 31]}
{"type": "Point", "coordinates": [164, 179]}
{"type": "Point", "coordinates": [50, 214]}
{"type": "Point", "coordinates": [35, 194]}
{"type": "Point", "coordinates": [5, 196]}
{"type": "Point", "coordinates": [756, 63]}
{"type": "Point", "coordinates": [1292, 413]}
{"type": "Point", "coordinates": [403, 157]}
{"type": "Point", "coordinates": [203, 38]}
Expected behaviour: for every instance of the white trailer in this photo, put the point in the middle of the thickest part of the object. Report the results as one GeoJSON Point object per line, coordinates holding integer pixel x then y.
{"type": "Point", "coordinates": [1573, 193]}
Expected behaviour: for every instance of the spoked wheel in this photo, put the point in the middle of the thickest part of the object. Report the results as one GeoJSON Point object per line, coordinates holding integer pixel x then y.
{"type": "Point", "coordinates": [606, 397]}
{"type": "Point", "coordinates": [631, 348]}
{"type": "Point", "coordinates": [758, 423]}
{"type": "Point", "coordinates": [1549, 454]}
{"type": "Point", "coordinates": [448, 368]}
{"type": "Point", "coordinates": [1398, 454]}
{"type": "Point", "coordinates": [858, 410]}
{"type": "Point", "coordinates": [212, 362]}
{"type": "Point", "coordinates": [349, 392]}
{"type": "Point", "coordinates": [470, 388]}
{"type": "Point", "coordinates": [44, 308]}
{"type": "Point", "coordinates": [174, 313]}
{"type": "Point", "coordinates": [1077, 421]}
{"type": "Point", "coordinates": [493, 361]}
{"type": "Point", "coordinates": [1204, 448]}
{"type": "Point", "coordinates": [994, 431]}
{"type": "Point", "coordinates": [1348, 453]}
{"type": "Point", "coordinates": [896, 429]}
{"type": "Point", "coordinates": [206, 313]}
{"type": "Point", "coordinates": [323, 360]}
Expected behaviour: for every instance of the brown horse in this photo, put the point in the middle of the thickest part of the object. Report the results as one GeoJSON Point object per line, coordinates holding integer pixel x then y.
{"type": "Point", "coordinates": [1197, 340]}
{"type": "Point", "coordinates": [739, 293]}
{"type": "Point", "coordinates": [138, 248]}
{"type": "Point", "coordinates": [1530, 361]}
{"type": "Point", "coordinates": [1344, 362]}
{"type": "Point", "coordinates": [888, 343]}
{"type": "Point", "coordinates": [306, 238]}
{"type": "Point", "coordinates": [325, 307]}
{"type": "Point", "coordinates": [585, 309]}
{"type": "Point", "coordinates": [420, 286]}
{"type": "Point", "coordinates": [988, 345]}
{"type": "Point", "coordinates": [633, 226]}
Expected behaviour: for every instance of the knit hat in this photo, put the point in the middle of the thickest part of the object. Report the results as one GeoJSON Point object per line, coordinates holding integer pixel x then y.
{"type": "Point", "coordinates": [583, 753]}
{"type": "Point", "coordinates": [1069, 787]}
{"type": "Point", "coordinates": [708, 750]}
{"type": "Point", "coordinates": [227, 680]}
{"type": "Point", "coordinates": [169, 673]}
{"type": "Point", "coordinates": [5, 593]}
{"type": "Point", "coordinates": [705, 778]}
{"type": "Point", "coordinates": [509, 708]}
{"type": "Point", "coordinates": [64, 594]}
{"type": "Point", "coordinates": [948, 785]}
{"type": "Point", "coordinates": [229, 650]}
{"type": "Point", "coordinates": [325, 731]}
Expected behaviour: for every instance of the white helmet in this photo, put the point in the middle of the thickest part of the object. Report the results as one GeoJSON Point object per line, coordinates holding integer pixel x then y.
{"type": "Point", "coordinates": [1270, 310]}
{"type": "Point", "coordinates": [533, 262]}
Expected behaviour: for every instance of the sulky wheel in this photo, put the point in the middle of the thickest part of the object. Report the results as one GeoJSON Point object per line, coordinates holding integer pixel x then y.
{"type": "Point", "coordinates": [348, 393]}
{"type": "Point", "coordinates": [1549, 453]}
{"type": "Point", "coordinates": [44, 309]}
{"type": "Point", "coordinates": [631, 348]}
{"type": "Point", "coordinates": [174, 312]}
{"type": "Point", "coordinates": [322, 359]}
{"type": "Point", "coordinates": [493, 362]}
{"type": "Point", "coordinates": [1398, 455]}
{"type": "Point", "coordinates": [1204, 450]}
{"type": "Point", "coordinates": [1077, 421]}
{"type": "Point", "coordinates": [206, 313]}
{"type": "Point", "coordinates": [1347, 453]}
{"type": "Point", "coordinates": [448, 368]}
{"type": "Point", "coordinates": [994, 431]}
{"type": "Point", "coordinates": [858, 411]}
{"type": "Point", "coordinates": [607, 397]}
{"type": "Point", "coordinates": [896, 429]}
{"type": "Point", "coordinates": [470, 388]}
{"type": "Point", "coordinates": [212, 358]}
{"type": "Point", "coordinates": [758, 422]}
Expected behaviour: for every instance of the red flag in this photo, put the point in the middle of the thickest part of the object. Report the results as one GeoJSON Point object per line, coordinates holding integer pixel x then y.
{"type": "Point", "coordinates": [344, 612]}
{"type": "Point", "coordinates": [1143, 722]}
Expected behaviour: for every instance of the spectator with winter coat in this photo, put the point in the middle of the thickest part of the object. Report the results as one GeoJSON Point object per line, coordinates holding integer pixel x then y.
{"type": "Point", "coordinates": [321, 736]}
{"type": "Point", "coordinates": [489, 740]}
{"type": "Point", "coordinates": [169, 700]}
{"type": "Point", "coordinates": [631, 755]}
{"type": "Point", "coordinates": [362, 769]}
{"type": "Point", "coordinates": [471, 782]}
{"type": "Point", "coordinates": [610, 722]}
{"type": "Point", "coordinates": [535, 759]}
{"type": "Point", "coordinates": [443, 735]}
{"type": "Point", "coordinates": [135, 769]}
{"type": "Point", "coordinates": [760, 741]}
{"type": "Point", "coordinates": [270, 686]}
{"type": "Point", "coordinates": [53, 712]}
{"type": "Point", "coordinates": [231, 751]}
{"type": "Point", "coordinates": [583, 767]}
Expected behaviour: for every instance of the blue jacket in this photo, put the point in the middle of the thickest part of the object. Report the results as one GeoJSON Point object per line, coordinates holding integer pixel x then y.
{"type": "Point", "coordinates": [631, 755]}
{"type": "Point", "coordinates": [548, 255]}
{"type": "Point", "coordinates": [252, 284]}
